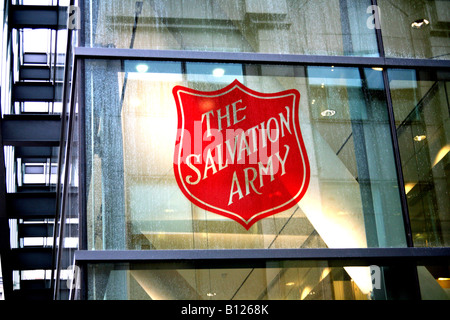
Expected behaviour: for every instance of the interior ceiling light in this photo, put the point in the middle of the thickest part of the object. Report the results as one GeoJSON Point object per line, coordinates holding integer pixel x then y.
{"type": "Point", "coordinates": [328, 113]}
{"type": "Point", "coordinates": [377, 68]}
{"type": "Point", "coordinates": [135, 101]}
{"type": "Point", "coordinates": [441, 154]}
{"type": "Point", "coordinates": [141, 68]}
{"type": "Point", "coordinates": [290, 284]}
{"type": "Point", "coordinates": [420, 137]}
{"type": "Point", "coordinates": [409, 186]}
{"type": "Point", "coordinates": [419, 23]}
{"type": "Point", "coordinates": [218, 72]}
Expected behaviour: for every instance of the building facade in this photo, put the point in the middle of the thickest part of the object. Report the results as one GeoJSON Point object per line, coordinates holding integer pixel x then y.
{"type": "Point", "coordinates": [232, 150]}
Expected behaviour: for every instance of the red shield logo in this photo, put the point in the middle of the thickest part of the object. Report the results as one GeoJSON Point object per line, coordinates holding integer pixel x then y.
{"type": "Point", "coordinates": [240, 153]}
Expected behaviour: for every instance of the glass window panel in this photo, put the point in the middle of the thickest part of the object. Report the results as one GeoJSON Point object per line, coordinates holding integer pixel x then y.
{"type": "Point", "coordinates": [283, 280]}
{"type": "Point", "coordinates": [134, 202]}
{"type": "Point", "coordinates": [439, 289]}
{"type": "Point", "coordinates": [421, 106]}
{"type": "Point", "coordinates": [415, 29]}
{"type": "Point", "coordinates": [324, 27]}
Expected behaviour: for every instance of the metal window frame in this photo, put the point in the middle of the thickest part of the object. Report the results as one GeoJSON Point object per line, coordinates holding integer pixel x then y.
{"type": "Point", "coordinates": [253, 257]}
{"type": "Point", "coordinates": [209, 258]}
{"type": "Point", "coordinates": [405, 259]}
{"type": "Point", "coordinates": [248, 257]}
{"type": "Point", "coordinates": [232, 257]}
{"type": "Point", "coordinates": [252, 58]}
{"type": "Point", "coordinates": [84, 53]}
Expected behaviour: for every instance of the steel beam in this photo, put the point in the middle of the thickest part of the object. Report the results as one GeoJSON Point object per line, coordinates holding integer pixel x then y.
{"type": "Point", "coordinates": [40, 72]}
{"type": "Point", "coordinates": [33, 188]}
{"type": "Point", "coordinates": [38, 230]}
{"type": "Point", "coordinates": [35, 152]}
{"type": "Point", "coordinates": [31, 130]}
{"type": "Point", "coordinates": [5, 245]}
{"type": "Point", "coordinates": [43, 294]}
{"type": "Point", "coordinates": [232, 258]}
{"type": "Point", "coordinates": [34, 73]}
{"type": "Point", "coordinates": [30, 16]}
{"type": "Point", "coordinates": [35, 230]}
{"type": "Point", "coordinates": [30, 205]}
{"type": "Point", "coordinates": [31, 258]}
{"type": "Point", "coordinates": [37, 92]}
{"type": "Point", "coordinates": [249, 57]}
{"type": "Point", "coordinates": [35, 284]}
{"type": "Point", "coordinates": [35, 58]}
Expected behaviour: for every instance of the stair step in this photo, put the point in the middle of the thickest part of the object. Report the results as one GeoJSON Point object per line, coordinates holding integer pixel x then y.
{"type": "Point", "coordinates": [31, 130]}
{"type": "Point", "coordinates": [25, 152]}
{"type": "Point", "coordinates": [35, 58]}
{"type": "Point", "coordinates": [37, 16]}
{"type": "Point", "coordinates": [33, 294]}
{"type": "Point", "coordinates": [35, 230]}
{"type": "Point", "coordinates": [31, 258]}
{"type": "Point", "coordinates": [36, 92]}
{"type": "Point", "coordinates": [34, 73]}
{"type": "Point", "coordinates": [35, 188]}
{"type": "Point", "coordinates": [34, 284]}
{"type": "Point", "coordinates": [31, 205]}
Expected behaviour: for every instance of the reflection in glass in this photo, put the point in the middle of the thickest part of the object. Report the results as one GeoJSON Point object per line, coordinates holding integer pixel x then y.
{"type": "Point", "coordinates": [434, 281]}
{"type": "Point", "coordinates": [415, 29]}
{"type": "Point", "coordinates": [282, 280]}
{"type": "Point", "coordinates": [323, 27]}
{"type": "Point", "coordinates": [133, 200]}
{"type": "Point", "coordinates": [421, 107]}
{"type": "Point", "coordinates": [314, 281]}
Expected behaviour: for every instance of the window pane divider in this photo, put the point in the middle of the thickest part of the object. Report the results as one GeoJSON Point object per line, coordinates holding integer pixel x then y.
{"type": "Point", "coordinates": [339, 256]}
{"type": "Point", "coordinates": [244, 57]}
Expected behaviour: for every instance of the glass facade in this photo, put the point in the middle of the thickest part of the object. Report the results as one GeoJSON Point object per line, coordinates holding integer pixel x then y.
{"type": "Point", "coordinates": [134, 201]}
{"type": "Point", "coordinates": [314, 280]}
{"type": "Point", "coordinates": [282, 280]}
{"type": "Point", "coordinates": [421, 105]}
{"type": "Point", "coordinates": [321, 27]}
{"type": "Point", "coordinates": [415, 29]}
{"type": "Point", "coordinates": [372, 78]}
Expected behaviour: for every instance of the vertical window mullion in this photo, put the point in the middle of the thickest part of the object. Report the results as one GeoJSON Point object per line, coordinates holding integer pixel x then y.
{"type": "Point", "coordinates": [398, 163]}
{"type": "Point", "coordinates": [378, 34]}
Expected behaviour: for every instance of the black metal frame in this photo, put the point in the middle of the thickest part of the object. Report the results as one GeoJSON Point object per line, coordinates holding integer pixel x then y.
{"type": "Point", "coordinates": [236, 258]}
{"type": "Point", "coordinates": [259, 58]}
{"type": "Point", "coordinates": [62, 198]}
{"type": "Point", "coordinates": [63, 158]}
{"type": "Point", "coordinates": [252, 257]}
{"type": "Point", "coordinates": [398, 263]}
